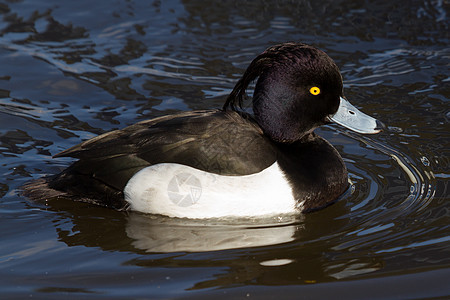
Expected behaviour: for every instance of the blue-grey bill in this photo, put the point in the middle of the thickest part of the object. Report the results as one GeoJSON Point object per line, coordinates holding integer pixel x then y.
{"type": "Point", "coordinates": [353, 119]}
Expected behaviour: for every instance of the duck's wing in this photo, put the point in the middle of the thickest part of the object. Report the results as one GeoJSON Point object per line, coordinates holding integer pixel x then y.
{"type": "Point", "coordinates": [214, 141]}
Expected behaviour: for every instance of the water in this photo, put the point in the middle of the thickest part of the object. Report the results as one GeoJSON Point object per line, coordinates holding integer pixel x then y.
{"type": "Point", "coordinates": [73, 69]}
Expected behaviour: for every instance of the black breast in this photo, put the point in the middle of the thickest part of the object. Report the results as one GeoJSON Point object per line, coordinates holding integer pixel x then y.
{"type": "Point", "coordinates": [315, 171]}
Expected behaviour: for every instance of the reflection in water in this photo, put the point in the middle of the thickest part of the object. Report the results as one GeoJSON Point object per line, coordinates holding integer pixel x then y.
{"type": "Point", "coordinates": [174, 235]}
{"type": "Point", "coordinates": [274, 251]}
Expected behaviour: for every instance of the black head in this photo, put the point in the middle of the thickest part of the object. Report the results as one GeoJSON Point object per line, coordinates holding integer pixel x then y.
{"type": "Point", "coordinates": [298, 87]}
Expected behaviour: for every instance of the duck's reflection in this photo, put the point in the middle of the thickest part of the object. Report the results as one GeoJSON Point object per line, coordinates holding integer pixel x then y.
{"type": "Point", "coordinates": [274, 251]}
{"type": "Point", "coordinates": [151, 234]}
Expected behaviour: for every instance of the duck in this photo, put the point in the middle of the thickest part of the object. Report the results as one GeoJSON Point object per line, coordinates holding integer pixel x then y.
{"type": "Point", "coordinates": [229, 161]}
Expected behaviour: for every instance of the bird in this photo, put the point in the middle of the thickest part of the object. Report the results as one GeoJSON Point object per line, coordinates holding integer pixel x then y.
{"type": "Point", "coordinates": [229, 161]}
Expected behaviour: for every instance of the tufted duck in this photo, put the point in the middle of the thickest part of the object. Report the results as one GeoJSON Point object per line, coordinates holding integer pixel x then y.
{"type": "Point", "coordinates": [225, 162]}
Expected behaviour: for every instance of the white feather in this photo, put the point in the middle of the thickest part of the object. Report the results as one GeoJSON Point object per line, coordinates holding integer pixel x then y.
{"type": "Point", "coordinates": [177, 190]}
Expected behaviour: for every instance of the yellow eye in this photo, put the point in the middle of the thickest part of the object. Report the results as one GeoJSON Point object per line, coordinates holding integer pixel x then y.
{"type": "Point", "coordinates": [314, 90]}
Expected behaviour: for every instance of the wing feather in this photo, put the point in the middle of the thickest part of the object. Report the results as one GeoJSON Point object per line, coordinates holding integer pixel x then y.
{"type": "Point", "coordinates": [214, 141]}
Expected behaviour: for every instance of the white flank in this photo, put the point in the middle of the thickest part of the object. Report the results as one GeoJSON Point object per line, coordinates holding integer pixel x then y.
{"type": "Point", "coordinates": [177, 190]}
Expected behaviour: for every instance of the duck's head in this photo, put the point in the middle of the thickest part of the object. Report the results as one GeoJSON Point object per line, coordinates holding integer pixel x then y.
{"type": "Point", "coordinates": [299, 88]}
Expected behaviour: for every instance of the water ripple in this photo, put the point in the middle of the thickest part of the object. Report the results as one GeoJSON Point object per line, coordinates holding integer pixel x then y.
{"type": "Point", "coordinates": [380, 67]}
{"type": "Point", "coordinates": [391, 202]}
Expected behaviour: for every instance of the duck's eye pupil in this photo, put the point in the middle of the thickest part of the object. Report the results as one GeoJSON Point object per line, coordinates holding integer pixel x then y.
{"type": "Point", "coordinates": [314, 90]}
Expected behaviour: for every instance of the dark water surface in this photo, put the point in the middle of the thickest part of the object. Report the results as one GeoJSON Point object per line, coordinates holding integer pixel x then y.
{"type": "Point", "coordinates": [70, 70]}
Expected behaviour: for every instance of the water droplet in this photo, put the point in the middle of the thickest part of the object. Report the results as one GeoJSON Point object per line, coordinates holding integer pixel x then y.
{"type": "Point", "coordinates": [425, 161]}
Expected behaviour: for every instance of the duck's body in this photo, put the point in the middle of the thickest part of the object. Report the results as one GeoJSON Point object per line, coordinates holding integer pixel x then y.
{"type": "Point", "coordinates": [219, 163]}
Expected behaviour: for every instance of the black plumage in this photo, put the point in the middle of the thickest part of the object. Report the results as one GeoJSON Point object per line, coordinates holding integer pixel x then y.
{"type": "Point", "coordinates": [225, 141]}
